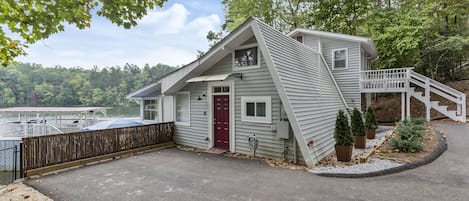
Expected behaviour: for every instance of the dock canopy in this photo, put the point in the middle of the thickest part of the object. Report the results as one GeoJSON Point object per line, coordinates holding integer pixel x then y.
{"type": "Point", "coordinates": [54, 110]}
{"type": "Point", "coordinates": [209, 78]}
{"type": "Point", "coordinates": [152, 90]}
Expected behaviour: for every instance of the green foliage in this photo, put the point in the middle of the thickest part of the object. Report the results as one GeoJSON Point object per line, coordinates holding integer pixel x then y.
{"type": "Point", "coordinates": [33, 20]}
{"type": "Point", "coordinates": [33, 85]}
{"type": "Point", "coordinates": [410, 134]}
{"type": "Point", "coordinates": [398, 34]}
{"type": "Point", "coordinates": [357, 127]}
{"type": "Point", "coordinates": [342, 133]}
{"type": "Point", "coordinates": [338, 15]}
{"type": "Point", "coordinates": [284, 15]}
{"type": "Point", "coordinates": [430, 35]}
{"type": "Point", "coordinates": [370, 119]}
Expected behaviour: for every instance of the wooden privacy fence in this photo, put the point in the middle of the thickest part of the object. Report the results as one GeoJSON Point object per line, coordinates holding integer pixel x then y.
{"type": "Point", "coordinates": [43, 151]}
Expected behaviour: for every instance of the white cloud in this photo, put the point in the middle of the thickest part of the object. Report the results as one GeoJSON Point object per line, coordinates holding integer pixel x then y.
{"type": "Point", "coordinates": [170, 36]}
{"type": "Point", "coordinates": [168, 21]}
{"type": "Point", "coordinates": [204, 24]}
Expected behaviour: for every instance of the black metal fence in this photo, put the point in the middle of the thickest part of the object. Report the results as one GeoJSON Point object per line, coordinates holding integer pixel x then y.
{"type": "Point", "coordinates": [10, 164]}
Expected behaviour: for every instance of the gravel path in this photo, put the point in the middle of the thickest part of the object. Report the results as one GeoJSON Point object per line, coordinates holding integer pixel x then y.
{"type": "Point", "coordinates": [372, 165]}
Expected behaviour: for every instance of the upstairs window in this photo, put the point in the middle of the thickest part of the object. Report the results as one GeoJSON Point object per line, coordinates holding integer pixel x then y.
{"type": "Point", "coordinates": [150, 109]}
{"type": "Point", "coordinates": [246, 57]}
{"type": "Point", "coordinates": [339, 58]}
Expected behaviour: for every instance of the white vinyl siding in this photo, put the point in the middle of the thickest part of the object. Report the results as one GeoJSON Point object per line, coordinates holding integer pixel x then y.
{"type": "Point", "coordinates": [347, 79]}
{"type": "Point", "coordinates": [195, 134]}
{"type": "Point", "coordinates": [255, 82]}
{"type": "Point", "coordinates": [313, 105]}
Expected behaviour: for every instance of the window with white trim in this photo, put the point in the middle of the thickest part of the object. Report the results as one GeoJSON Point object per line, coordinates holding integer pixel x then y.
{"type": "Point", "coordinates": [256, 109]}
{"type": "Point", "coordinates": [246, 57]}
{"type": "Point", "coordinates": [183, 108]}
{"type": "Point", "coordinates": [339, 58]}
{"type": "Point", "coordinates": [150, 109]}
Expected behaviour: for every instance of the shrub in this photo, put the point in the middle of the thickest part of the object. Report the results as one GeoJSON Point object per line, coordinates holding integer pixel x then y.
{"type": "Point", "coordinates": [342, 132]}
{"type": "Point", "coordinates": [358, 129]}
{"type": "Point", "coordinates": [410, 134]}
{"type": "Point", "coordinates": [370, 119]}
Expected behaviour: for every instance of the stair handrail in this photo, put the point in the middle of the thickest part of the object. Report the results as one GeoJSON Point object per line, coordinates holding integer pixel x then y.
{"type": "Point", "coordinates": [438, 85]}
{"type": "Point", "coordinates": [333, 81]}
{"type": "Point", "coordinates": [445, 91]}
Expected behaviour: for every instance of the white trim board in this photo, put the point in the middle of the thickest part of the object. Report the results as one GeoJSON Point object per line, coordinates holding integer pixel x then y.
{"type": "Point", "coordinates": [231, 94]}
{"type": "Point", "coordinates": [246, 67]}
{"type": "Point", "coordinates": [333, 58]}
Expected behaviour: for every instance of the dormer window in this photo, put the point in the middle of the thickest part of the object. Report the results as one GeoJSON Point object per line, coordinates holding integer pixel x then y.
{"type": "Point", "coordinates": [339, 58]}
{"type": "Point", "coordinates": [246, 57]}
{"type": "Point", "coordinates": [299, 38]}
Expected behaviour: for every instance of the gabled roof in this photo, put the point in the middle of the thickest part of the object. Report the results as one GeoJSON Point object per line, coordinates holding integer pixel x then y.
{"type": "Point", "coordinates": [367, 43]}
{"type": "Point", "coordinates": [151, 90]}
{"type": "Point", "coordinates": [177, 79]}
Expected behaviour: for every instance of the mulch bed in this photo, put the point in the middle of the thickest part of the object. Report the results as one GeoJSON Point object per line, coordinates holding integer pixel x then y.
{"type": "Point", "coordinates": [430, 142]}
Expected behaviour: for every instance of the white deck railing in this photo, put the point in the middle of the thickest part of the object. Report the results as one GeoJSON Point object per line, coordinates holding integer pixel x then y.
{"type": "Point", "coordinates": [386, 80]}
{"type": "Point", "coordinates": [400, 80]}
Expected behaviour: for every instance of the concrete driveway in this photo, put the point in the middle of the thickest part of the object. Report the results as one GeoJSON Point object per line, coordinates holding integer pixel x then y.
{"type": "Point", "coordinates": [177, 175]}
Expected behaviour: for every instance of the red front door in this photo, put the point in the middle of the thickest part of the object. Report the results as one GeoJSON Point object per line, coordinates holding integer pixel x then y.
{"type": "Point", "coordinates": [221, 121]}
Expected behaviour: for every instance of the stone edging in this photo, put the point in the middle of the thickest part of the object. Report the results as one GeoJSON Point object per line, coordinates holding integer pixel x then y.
{"type": "Point", "coordinates": [440, 149]}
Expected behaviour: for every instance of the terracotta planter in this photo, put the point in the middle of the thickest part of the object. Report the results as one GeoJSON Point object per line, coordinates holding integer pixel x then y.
{"type": "Point", "coordinates": [371, 134]}
{"type": "Point", "coordinates": [343, 153]}
{"type": "Point", "coordinates": [360, 142]}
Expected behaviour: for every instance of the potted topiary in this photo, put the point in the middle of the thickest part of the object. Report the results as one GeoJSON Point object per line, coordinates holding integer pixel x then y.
{"type": "Point", "coordinates": [358, 129]}
{"type": "Point", "coordinates": [370, 123]}
{"type": "Point", "coordinates": [343, 138]}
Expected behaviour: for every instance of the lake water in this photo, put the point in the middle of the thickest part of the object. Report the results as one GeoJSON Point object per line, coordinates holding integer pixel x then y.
{"type": "Point", "coordinates": [113, 113]}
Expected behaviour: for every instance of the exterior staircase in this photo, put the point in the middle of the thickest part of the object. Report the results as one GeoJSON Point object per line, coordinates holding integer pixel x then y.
{"type": "Point", "coordinates": [406, 81]}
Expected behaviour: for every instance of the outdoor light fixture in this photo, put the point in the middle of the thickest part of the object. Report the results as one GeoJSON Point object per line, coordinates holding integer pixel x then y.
{"type": "Point", "coordinates": [199, 98]}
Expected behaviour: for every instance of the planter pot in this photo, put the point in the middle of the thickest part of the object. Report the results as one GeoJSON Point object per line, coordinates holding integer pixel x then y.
{"type": "Point", "coordinates": [371, 134]}
{"type": "Point", "coordinates": [360, 142]}
{"type": "Point", "coordinates": [343, 153]}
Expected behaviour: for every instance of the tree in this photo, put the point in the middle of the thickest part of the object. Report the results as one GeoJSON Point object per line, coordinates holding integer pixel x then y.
{"type": "Point", "coordinates": [283, 15]}
{"type": "Point", "coordinates": [338, 15]}
{"type": "Point", "coordinates": [31, 84]}
{"type": "Point", "coordinates": [429, 35]}
{"type": "Point", "coordinates": [342, 133]}
{"type": "Point", "coordinates": [357, 126]}
{"type": "Point", "coordinates": [33, 20]}
{"type": "Point", "coordinates": [398, 34]}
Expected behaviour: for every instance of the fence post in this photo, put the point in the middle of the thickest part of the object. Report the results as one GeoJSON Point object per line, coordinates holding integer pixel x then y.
{"type": "Point", "coordinates": [15, 149]}
{"type": "Point", "coordinates": [21, 160]}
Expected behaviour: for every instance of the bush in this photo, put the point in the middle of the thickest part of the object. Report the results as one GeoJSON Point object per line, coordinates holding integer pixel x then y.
{"type": "Point", "coordinates": [370, 119]}
{"type": "Point", "coordinates": [342, 132]}
{"type": "Point", "coordinates": [410, 135]}
{"type": "Point", "coordinates": [358, 129]}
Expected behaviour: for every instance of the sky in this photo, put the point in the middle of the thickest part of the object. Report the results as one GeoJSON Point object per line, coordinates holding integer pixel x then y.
{"type": "Point", "coordinates": [169, 35]}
